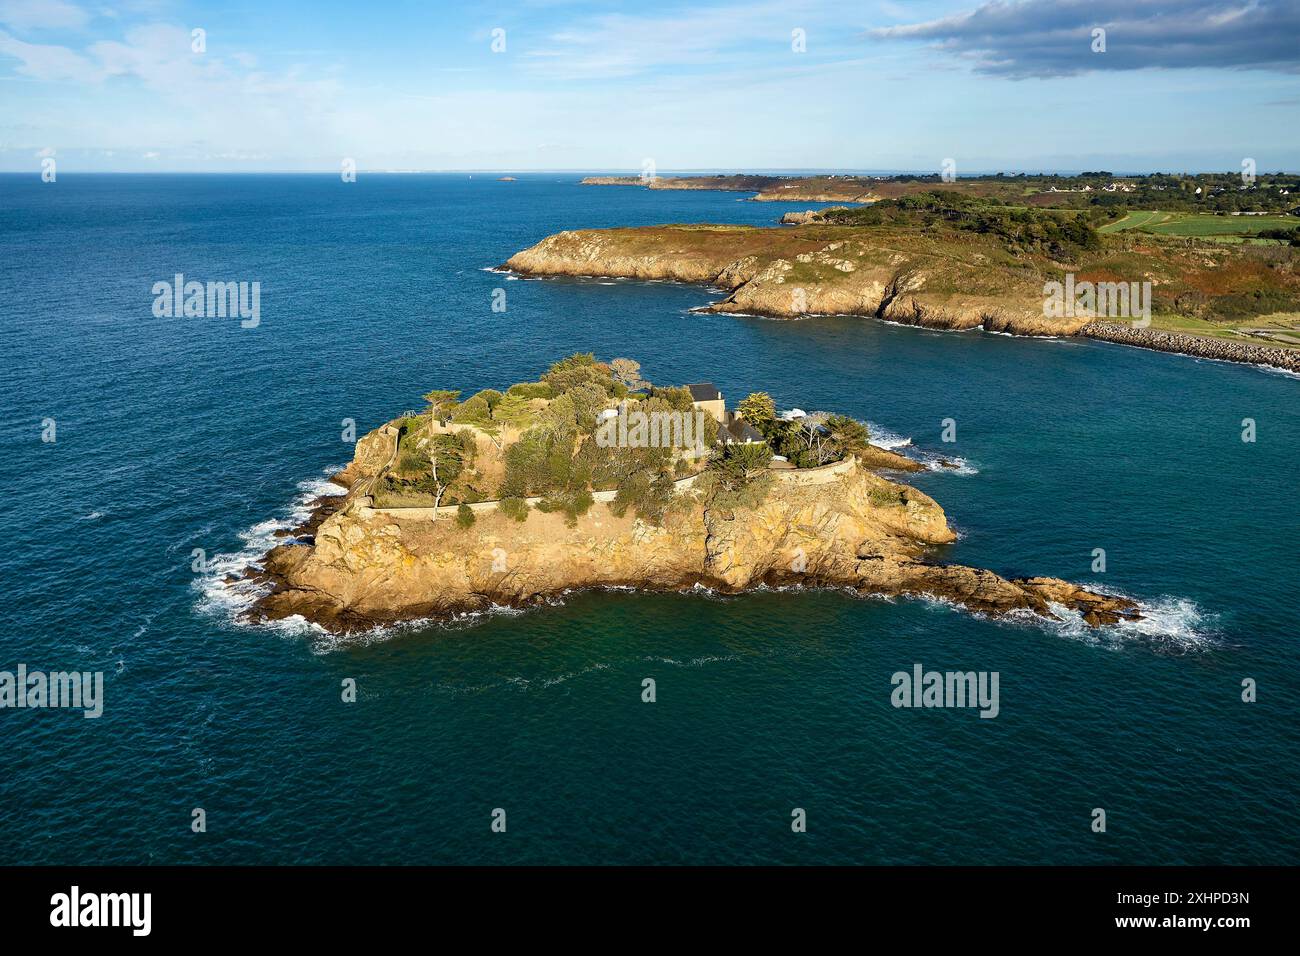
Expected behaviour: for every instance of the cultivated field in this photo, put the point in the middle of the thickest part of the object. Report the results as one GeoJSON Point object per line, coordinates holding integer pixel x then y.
{"type": "Point", "coordinates": [1228, 228]}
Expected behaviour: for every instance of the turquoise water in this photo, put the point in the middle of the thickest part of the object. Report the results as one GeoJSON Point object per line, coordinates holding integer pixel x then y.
{"type": "Point", "coordinates": [176, 434]}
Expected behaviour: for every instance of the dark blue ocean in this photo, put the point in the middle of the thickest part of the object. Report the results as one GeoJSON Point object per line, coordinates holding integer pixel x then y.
{"type": "Point", "coordinates": [175, 434]}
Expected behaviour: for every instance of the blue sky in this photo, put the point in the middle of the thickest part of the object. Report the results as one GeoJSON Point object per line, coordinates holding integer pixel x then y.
{"type": "Point", "coordinates": [1182, 85]}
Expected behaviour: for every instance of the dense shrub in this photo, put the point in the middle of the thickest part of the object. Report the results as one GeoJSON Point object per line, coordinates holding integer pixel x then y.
{"type": "Point", "coordinates": [1061, 234]}
{"type": "Point", "coordinates": [738, 477]}
{"type": "Point", "coordinates": [475, 410]}
{"type": "Point", "coordinates": [531, 390]}
{"type": "Point", "coordinates": [648, 495]}
{"type": "Point", "coordinates": [572, 504]}
{"type": "Point", "coordinates": [677, 399]}
{"type": "Point", "coordinates": [579, 370]}
{"type": "Point", "coordinates": [515, 508]}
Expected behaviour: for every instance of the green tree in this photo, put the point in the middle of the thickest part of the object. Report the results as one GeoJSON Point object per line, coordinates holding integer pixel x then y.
{"type": "Point", "coordinates": [531, 390]}
{"type": "Point", "coordinates": [807, 443]}
{"type": "Point", "coordinates": [738, 477]}
{"type": "Point", "coordinates": [441, 401]}
{"type": "Point", "coordinates": [648, 494]}
{"type": "Point", "coordinates": [577, 370]}
{"type": "Point", "coordinates": [628, 373]}
{"type": "Point", "coordinates": [758, 407]}
{"type": "Point", "coordinates": [760, 411]}
{"type": "Point", "coordinates": [678, 398]}
{"type": "Point", "coordinates": [477, 411]}
{"type": "Point", "coordinates": [448, 455]}
{"type": "Point", "coordinates": [465, 516]}
{"type": "Point", "coordinates": [849, 435]}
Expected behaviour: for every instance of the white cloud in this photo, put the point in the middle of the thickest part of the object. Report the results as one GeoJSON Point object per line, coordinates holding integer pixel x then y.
{"type": "Point", "coordinates": [148, 95]}
{"type": "Point", "coordinates": [42, 15]}
{"type": "Point", "coordinates": [47, 62]}
{"type": "Point", "coordinates": [621, 45]}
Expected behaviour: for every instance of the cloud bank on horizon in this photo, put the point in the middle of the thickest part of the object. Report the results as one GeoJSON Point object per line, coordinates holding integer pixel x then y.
{"type": "Point", "coordinates": [234, 85]}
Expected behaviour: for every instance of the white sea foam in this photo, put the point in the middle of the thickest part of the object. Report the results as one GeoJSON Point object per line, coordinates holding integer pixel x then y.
{"type": "Point", "coordinates": [925, 328]}
{"type": "Point", "coordinates": [326, 642]}
{"type": "Point", "coordinates": [1168, 624]}
{"type": "Point", "coordinates": [892, 441]}
{"type": "Point", "coordinates": [1176, 623]}
{"type": "Point", "coordinates": [1017, 335]}
{"type": "Point", "coordinates": [956, 465]}
{"type": "Point", "coordinates": [884, 438]}
{"type": "Point", "coordinates": [230, 600]}
{"type": "Point", "coordinates": [1286, 372]}
{"type": "Point", "coordinates": [692, 662]}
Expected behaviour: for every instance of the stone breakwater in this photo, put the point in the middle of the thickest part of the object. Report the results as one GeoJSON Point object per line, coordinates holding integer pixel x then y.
{"type": "Point", "coordinates": [1226, 350]}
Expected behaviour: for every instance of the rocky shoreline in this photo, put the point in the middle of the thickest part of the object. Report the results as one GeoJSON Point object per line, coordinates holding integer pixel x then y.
{"type": "Point", "coordinates": [353, 568]}
{"type": "Point", "coordinates": [1225, 350]}
{"type": "Point", "coordinates": [795, 273]}
{"type": "Point", "coordinates": [825, 270]}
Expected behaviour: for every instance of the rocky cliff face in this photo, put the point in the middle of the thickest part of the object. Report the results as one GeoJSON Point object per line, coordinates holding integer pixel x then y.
{"type": "Point", "coordinates": [855, 530]}
{"type": "Point", "coordinates": [614, 254]}
{"type": "Point", "coordinates": [808, 216]}
{"type": "Point", "coordinates": [812, 270]}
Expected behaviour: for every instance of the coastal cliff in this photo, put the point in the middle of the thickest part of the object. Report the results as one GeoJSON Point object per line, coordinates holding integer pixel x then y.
{"type": "Point", "coordinates": [839, 526]}
{"type": "Point", "coordinates": [944, 278]}
{"type": "Point", "coordinates": [816, 270]}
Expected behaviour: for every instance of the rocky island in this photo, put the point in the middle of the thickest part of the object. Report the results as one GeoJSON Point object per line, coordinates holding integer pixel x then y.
{"type": "Point", "coordinates": [592, 477]}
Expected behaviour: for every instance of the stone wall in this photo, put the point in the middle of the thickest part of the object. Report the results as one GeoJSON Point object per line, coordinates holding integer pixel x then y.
{"type": "Point", "coordinates": [824, 475]}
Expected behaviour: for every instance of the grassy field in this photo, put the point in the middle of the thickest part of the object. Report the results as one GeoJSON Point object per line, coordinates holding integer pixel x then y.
{"type": "Point", "coordinates": [1136, 220]}
{"type": "Point", "coordinates": [1227, 228]}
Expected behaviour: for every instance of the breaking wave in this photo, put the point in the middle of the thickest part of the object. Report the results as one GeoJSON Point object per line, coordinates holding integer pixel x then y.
{"type": "Point", "coordinates": [903, 445]}
{"type": "Point", "coordinates": [219, 598]}
{"type": "Point", "coordinates": [1168, 625]}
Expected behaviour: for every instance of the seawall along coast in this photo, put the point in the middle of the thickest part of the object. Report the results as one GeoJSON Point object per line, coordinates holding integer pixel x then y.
{"type": "Point", "coordinates": [1226, 350]}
